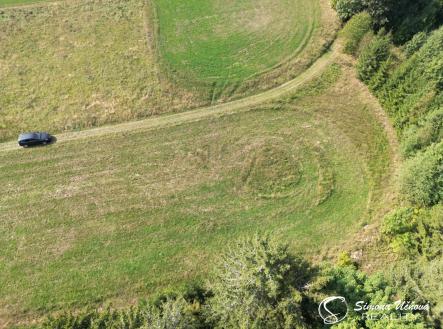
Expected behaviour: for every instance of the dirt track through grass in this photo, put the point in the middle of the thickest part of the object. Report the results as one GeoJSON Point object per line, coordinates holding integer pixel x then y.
{"type": "Point", "coordinates": [222, 109]}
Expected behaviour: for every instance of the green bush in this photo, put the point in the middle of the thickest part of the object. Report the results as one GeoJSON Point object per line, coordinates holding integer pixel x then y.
{"type": "Point", "coordinates": [418, 137]}
{"type": "Point", "coordinates": [108, 318]}
{"type": "Point", "coordinates": [373, 56]}
{"type": "Point", "coordinates": [354, 31]}
{"type": "Point", "coordinates": [400, 227]}
{"type": "Point", "coordinates": [379, 79]}
{"type": "Point", "coordinates": [174, 313]}
{"type": "Point", "coordinates": [356, 286]}
{"type": "Point", "coordinates": [379, 11]}
{"type": "Point", "coordinates": [415, 43]}
{"type": "Point", "coordinates": [419, 280]}
{"type": "Point", "coordinates": [257, 285]}
{"type": "Point", "coordinates": [260, 284]}
{"type": "Point", "coordinates": [414, 87]}
{"type": "Point", "coordinates": [348, 8]}
{"type": "Point", "coordinates": [421, 180]}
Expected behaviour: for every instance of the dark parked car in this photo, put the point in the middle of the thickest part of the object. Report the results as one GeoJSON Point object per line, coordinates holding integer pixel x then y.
{"type": "Point", "coordinates": [34, 138]}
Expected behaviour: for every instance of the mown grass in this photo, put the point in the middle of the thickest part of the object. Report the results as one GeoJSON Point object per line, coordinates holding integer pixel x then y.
{"type": "Point", "coordinates": [78, 64]}
{"type": "Point", "coordinates": [224, 49]}
{"type": "Point", "coordinates": [130, 214]}
{"type": "Point", "coordinates": [216, 41]}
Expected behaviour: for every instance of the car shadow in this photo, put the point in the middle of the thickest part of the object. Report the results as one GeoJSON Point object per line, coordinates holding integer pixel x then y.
{"type": "Point", "coordinates": [53, 140]}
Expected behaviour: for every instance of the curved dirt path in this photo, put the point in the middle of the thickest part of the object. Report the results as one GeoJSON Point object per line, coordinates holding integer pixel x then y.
{"type": "Point", "coordinates": [201, 113]}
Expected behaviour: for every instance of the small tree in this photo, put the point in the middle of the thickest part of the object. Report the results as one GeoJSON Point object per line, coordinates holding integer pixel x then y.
{"type": "Point", "coordinates": [172, 314]}
{"type": "Point", "coordinates": [258, 285]}
{"type": "Point", "coordinates": [348, 8]}
{"type": "Point", "coordinates": [415, 43]}
{"type": "Point", "coordinates": [354, 31]}
{"type": "Point", "coordinates": [422, 177]}
{"type": "Point", "coordinates": [379, 11]}
{"type": "Point", "coordinates": [373, 56]}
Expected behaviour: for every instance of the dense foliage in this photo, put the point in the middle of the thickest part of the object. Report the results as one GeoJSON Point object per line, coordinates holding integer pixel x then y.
{"type": "Point", "coordinates": [408, 80]}
{"type": "Point", "coordinates": [258, 285]}
{"type": "Point", "coordinates": [348, 8]}
{"type": "Point", "coordinates": [372, 57]}
{"type": "Point", "coordinates": [422, 177]}
{"type": "Point", "coordinates": [403, 17]}
{"type": "Point", "coordinates": [354, 31]}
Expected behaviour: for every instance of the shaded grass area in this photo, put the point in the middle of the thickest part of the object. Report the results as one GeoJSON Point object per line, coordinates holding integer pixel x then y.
{"type": "Point", "coordinates": [78, 64]}
{"type": "Point", "coordinates": [131, 214]}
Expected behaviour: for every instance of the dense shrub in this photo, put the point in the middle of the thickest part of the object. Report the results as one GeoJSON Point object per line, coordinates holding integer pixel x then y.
{"type": "Point", "coordinates": [403, 17]}
{"type": "Point", "coordinates": [419, 280]}
{"type": "Point", "coordinates": [410, 89]}
{"type": "Point", "coordinates": [414, 87]}
{"type": "Point", "coordinates": [422, 177]}
{"type": "Point", "coordinates": [419, 275]}
{"type": "Point", "coordinates": [357, 286]}
{"type": "Point", "coordinates": [171, 314]}
{"type": "Point", "coordinates": [379, 11]}
{"type": "Point", "coordinates": [373, 56]}
{"type": "Point", "coordinates": [260, 284]}
{"type": "Point", "coordinates": [354, 31]}
{"type": "Point", "coordinates": [348, 8]}
{"type": "Point", "coordinates": [257, 285]}
{"type": "Point", "coordinates": [414, 232]}
{"type": "Point", "coordinates": [427, 132]}
{"type": "Point", "coordinates": [379, 79]}
{"type": "Point", "coordinates": [415, 43]}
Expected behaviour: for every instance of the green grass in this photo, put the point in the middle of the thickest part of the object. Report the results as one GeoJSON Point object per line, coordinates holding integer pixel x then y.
{"type": "Point", "coordinates": [226, 49]}
{"type": "Point", "coordinates": [83, 63]}
{"type": "Point", "coordinates": [218, 41]}
{"type": "Point", "coordinates": [79, 64]}
{"type": "Point", "coordinates": [130, 214]}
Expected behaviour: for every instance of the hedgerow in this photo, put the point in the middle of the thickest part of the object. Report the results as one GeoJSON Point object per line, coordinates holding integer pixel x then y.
{"type": "Point", "coordinates": [422, 177]}
{"type": "Point", "coordinates": [415, 43]}
{"type": "Point", "coordinates": [409, 86]}
{"type": "Point", "coordinates": [373, 56]}
{"type": "Point", "coordinates": [354, 31]}
{"type": "Point", "coordinates": [426, 132]}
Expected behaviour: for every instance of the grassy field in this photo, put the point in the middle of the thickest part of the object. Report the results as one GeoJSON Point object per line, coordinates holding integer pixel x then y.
{"type": "Point", "coordinates": [79, 64]}
{"type": "Point", "coordinates": [220, 47]}
{"type": "Point", "coordinates": [130, 214]}
{"type": "Point", "coordinates": [83, 63]}
{"type": "Point", "coordinates": [215, 41]}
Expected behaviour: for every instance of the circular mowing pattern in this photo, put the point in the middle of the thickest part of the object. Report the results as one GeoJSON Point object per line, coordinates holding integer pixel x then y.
{"type": "Point", "coordinates": [270, 170]}
{"type": "Point", "coordinates": [273, 168]}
